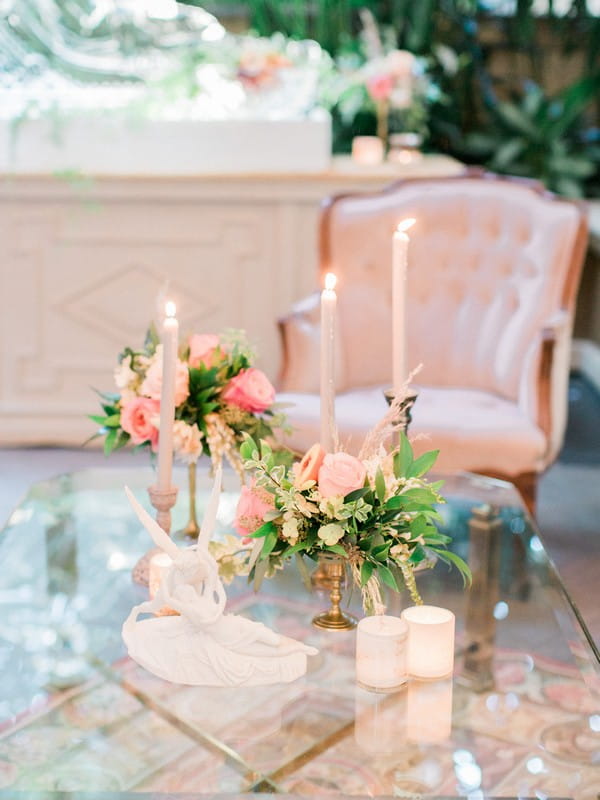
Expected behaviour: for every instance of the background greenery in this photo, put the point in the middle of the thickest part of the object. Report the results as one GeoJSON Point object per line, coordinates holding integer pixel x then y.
{"type": "Point", "coordinates": [519, 93]}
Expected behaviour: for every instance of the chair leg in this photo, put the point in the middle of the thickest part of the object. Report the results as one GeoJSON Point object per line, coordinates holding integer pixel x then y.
{"type": "Point", "coordinates": [526, 483]}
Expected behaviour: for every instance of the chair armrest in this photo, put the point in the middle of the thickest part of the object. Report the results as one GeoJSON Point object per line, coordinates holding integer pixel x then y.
{"type": "Point", "coordinates": [300, 341]}
{"type": "Point", "coordinates": [300, 332]}
{"type": "Point", "coordinates": [543, 393]}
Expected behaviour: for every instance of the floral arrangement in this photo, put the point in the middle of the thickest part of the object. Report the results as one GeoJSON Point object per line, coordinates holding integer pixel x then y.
{"type": "Point", "coordinates": [259, 62]}
{"type": "Point", "coordinates": [382, 80]}
{"type": "Point", "coordinates": [219, 397]}
{"type": "Point", "coordinates": [377, 511]}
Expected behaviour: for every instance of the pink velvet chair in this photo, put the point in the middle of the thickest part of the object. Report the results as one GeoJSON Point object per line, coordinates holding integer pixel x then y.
{"type": "Point", "coordinates": [494, 265]}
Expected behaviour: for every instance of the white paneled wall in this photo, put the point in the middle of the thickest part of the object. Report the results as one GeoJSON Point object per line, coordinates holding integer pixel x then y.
{"type": "Point", "coordinates": [82, 264]}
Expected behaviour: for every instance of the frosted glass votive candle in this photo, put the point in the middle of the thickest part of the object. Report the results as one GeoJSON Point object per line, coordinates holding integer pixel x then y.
{"type": "Point", "coordinates": [367, 150]}
{"type": "Point", "coordinates": [381, 653]}
{"type": "Point", "coordinates": [430, 641]}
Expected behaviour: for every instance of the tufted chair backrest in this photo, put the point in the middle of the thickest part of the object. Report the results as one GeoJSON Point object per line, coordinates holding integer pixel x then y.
{"type": "Point", "coordinates": [490, 262]}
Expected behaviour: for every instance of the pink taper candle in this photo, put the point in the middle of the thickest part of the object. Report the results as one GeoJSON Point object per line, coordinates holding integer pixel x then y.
{"type": "Point", "coordinates": [399, 324]}
{"type": "Point", "coordinates": [328, 317]}
{"type": "Point", "coordinates": [170, 335]}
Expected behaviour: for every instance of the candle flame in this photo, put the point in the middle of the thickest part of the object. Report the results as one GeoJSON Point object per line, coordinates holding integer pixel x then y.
{"type": "Point", "coordinates": [406, 224]}
{"type": "Point", "coordinates": [330, 281]}
{"type": "Point", "coordinates": [170, 308]}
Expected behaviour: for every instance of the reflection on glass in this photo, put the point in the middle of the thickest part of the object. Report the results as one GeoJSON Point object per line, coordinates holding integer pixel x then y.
{"type": "Point", "coordinates": [429, 711]}
{"type": "Point", "coordinates": [379, 721]}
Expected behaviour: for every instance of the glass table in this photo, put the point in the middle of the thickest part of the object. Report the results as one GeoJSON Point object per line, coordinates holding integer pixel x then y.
{"type": "Point", "coordinates": [79, 719]}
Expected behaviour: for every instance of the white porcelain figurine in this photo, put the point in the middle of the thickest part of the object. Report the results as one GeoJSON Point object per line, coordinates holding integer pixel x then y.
{"type": "Point", "coordinates": [203, 646]}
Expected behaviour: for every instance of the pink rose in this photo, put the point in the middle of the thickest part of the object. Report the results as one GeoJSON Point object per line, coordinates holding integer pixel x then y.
{"type": "Point", "coordinates": [250, 390]}
{"type": "Point", "coordinates": [380, 86]}
{"type": "Point", "coordinates": [202, 348]}
{"type": "Point", "coordinates": [152, 383]}
{"type": "Point", "coordinates": [308, 469]}
{"type": "Point", "coordinates": [341, 474]}
{"type": "Point", "coordinates": [253, 504]}
{"type": "Point", "coordinates": [138, 417]}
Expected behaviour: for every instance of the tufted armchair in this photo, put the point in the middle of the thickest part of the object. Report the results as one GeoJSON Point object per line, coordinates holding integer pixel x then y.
{"type": "Point", "coordinates": [494, 265]}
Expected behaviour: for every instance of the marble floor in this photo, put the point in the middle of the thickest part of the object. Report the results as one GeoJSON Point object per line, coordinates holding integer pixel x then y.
{"type": "Point", "coordinates": [568, 506]}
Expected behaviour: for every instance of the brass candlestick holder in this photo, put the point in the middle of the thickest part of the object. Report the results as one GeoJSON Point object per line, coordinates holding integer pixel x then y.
{"type": "Point", "coordinates": [405, 411]}
{"type": "Point", "coordinates": [192, 529]}
{"type": "Point", "coordinates": [334, 619]}
{"type": "Point", "coordinates": [163, 501]}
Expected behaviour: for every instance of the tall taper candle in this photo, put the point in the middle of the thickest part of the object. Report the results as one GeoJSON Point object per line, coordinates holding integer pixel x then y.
{"type": "Point", "coordinates": [169, 338]}
{"type": "Point", "coordinates": [399, 272]}
{"type": "Point", "coordinates": [328, 318]}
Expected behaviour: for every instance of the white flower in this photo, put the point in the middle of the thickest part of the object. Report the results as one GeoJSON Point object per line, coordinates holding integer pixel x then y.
{"type": "Point", "coordinates": [124, 375]}
{"type": "Point", "coordinates": [187, 442]}
{"type": "Point", "coordinates": [306, 508]}
{"type": "Point", "coordinates": [331, 533]}
{"type": "Point", "coordinates": [290, 529]}
{"type": "Point", "coordinates": [399, 552]}
{"type": "Point", "coordinates": [333, 507]}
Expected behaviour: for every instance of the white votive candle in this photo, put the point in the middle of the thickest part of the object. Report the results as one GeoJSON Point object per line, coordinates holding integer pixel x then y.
{"type": "Point", "coordinates": [430, 641]}
{"type": "Point", "coordinates": [429, 711]}
{"type": "Point", "coordinates": [367, 150]}
{"type": "Point", "coordinates": [381, 653]}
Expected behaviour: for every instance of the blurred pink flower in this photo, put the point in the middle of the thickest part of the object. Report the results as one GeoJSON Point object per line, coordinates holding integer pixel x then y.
{"type": "Point", "coordinates": [202, 348]}
{"type": "Point", "coordinates": [152, 384]}
{"type": "Point", "coordinates": [380, 86]}
{"type": "Point", "coordinates": [340, 474]}
{"type": "Point", "coordinates": [250, 390]}
{"type": "Point", "coordinates": [253, 504]}
{"type": "Point", "coordinates": [137, 419]}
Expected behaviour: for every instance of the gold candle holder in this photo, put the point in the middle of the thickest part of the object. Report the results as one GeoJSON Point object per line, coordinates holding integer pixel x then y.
{"type": "Point", "coordinates": [192, 529]}
{"type": "Point", "coordinates": [405, 411]}
{"type": "Point", "coordinates": [334, 619]}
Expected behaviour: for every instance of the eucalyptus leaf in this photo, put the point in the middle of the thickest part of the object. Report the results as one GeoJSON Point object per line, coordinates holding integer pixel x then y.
{"type": "Point", "coordinates": [422, 464]}
{"type": "Point", "coordinates": [366, 570]}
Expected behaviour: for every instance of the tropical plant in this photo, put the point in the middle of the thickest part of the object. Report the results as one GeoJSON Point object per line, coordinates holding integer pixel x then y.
{"type": "Point", "coordinates": [541, 137]}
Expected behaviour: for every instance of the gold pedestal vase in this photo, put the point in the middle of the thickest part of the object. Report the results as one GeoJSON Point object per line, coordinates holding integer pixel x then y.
{"type": "Point", "coordinates": [334, 619]}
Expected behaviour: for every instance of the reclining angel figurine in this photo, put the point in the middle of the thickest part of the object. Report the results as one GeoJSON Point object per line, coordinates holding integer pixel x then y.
{"type": "Point", "coordinates": [203, 646]}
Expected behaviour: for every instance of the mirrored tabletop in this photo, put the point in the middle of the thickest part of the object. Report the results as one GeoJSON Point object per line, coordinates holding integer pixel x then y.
{"type": "Point", "coordinates": [520, 717]}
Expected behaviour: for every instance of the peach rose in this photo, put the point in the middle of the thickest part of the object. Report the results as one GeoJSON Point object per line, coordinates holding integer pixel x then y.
{"type": "Point", "coordinates": [308, 468]}
{"type": "Point", "coordinates": [152, 383]}
{"type": "Point", "coordinates": [138, 418]}
{"type": "Point", "coordinates": [253, 504]}
{"type": "Point", "coordinates": [250, 390]}
{"type": "Point", "coordinates": [380, 86]}
{"type": "Point", "coordinates": [340, 474]}
{"type": "Point", "coordinates": [202, 348]}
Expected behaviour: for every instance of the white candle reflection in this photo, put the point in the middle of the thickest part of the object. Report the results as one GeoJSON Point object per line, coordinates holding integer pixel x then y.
{"type": "Point", "coordinates": [429, 711]}
{"type": "Point", "coordinates": [379, 721]}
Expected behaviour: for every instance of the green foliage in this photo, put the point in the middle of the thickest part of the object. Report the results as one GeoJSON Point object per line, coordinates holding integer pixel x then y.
{"type": "Point", "coordinates": [542, 137]}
